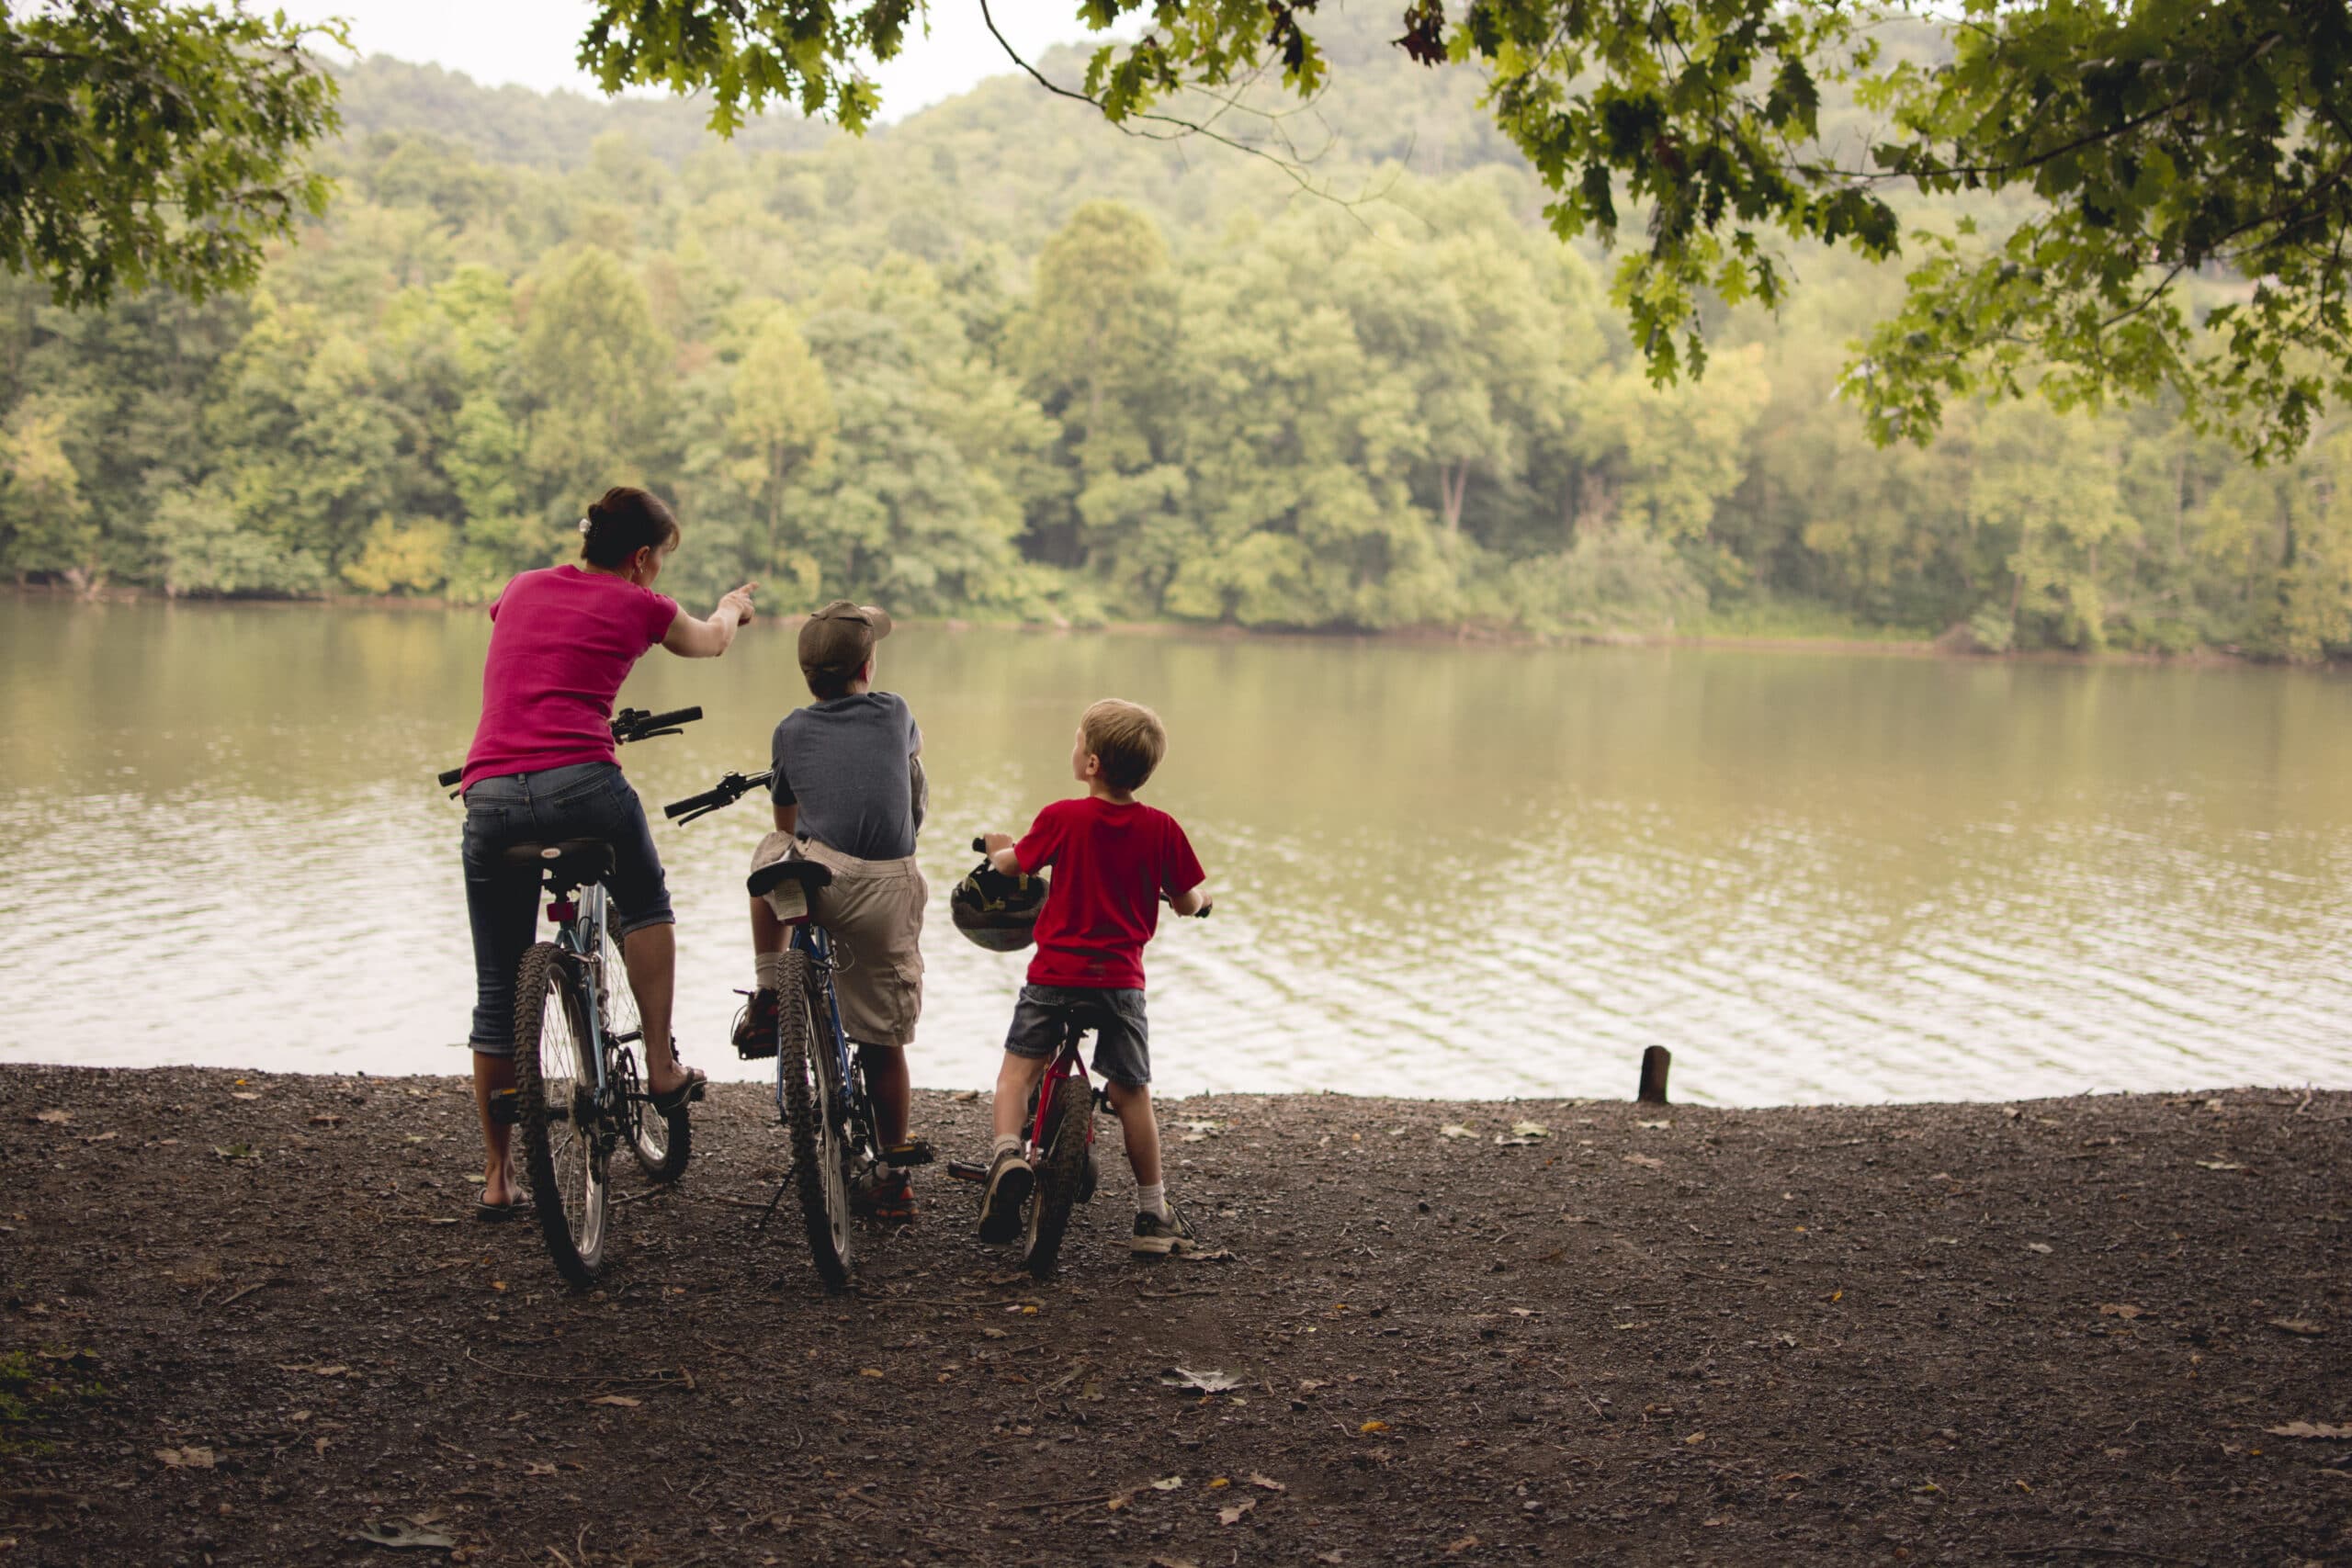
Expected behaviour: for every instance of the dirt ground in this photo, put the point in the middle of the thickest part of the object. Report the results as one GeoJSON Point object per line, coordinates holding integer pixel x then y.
{"type": "Point", "coordinates": [250, 1319]}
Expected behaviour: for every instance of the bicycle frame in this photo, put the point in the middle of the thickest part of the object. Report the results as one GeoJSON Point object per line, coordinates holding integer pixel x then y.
{"type": "Point", "coordinates": [1067, 1062]}
{"type": "Point", "coordinates": [810, 938]}
{"type": "Point", "coordinates": [578, 919]}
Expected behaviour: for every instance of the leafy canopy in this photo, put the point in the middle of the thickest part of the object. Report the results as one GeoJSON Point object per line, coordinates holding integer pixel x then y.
{"type": "Point", "coordinates": [154, 143]}
{"type": "Point", "coordinates": [2149, 141]}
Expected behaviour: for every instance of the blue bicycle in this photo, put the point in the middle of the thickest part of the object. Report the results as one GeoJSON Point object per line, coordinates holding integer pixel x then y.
{"type": "Point", "coordinates": [821, 1092]}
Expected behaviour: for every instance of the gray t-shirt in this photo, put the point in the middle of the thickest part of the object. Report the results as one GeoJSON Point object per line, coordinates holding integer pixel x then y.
{"type": "Point", "coordinates": [845, 765]}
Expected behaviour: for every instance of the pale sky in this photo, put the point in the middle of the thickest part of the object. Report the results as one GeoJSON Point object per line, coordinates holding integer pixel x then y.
{"type": "Point", "coordinates": [532, 42]}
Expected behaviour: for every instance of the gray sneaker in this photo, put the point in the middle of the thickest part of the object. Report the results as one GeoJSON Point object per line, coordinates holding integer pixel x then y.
{"type": "Point", "coordinates": [1156, 1237]}
{"type": "Point", "coordinates": [1010, 1179]}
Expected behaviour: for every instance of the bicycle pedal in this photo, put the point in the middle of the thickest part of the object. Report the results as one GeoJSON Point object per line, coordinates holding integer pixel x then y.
{"type": "Point", "coordinates": [758, 1050]}
{"type": "Point", "coordinates": [506, 1106]}
{"type": "Point", "coordinates": [913, 1152]}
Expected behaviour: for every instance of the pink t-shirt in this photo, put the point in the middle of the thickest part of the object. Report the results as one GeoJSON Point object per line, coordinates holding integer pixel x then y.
{"type": "Point", "coordinates": [562, 642]}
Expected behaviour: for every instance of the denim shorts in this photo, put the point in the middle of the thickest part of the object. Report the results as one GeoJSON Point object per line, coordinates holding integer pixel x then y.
{"type": "Point", "coordinates": [587, 800]}
{"type": "Point", "coordinates": [1122, 1037]}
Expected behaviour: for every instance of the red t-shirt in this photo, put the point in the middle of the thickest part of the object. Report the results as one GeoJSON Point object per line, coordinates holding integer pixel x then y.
{"type": "Point", "coordinates": [1111, 864]}
{"type": "Point", "coordinates": [562, 642]}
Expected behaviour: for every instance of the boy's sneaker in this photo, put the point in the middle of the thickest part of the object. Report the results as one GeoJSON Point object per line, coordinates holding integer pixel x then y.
{"type": "Point", "coordinates": [1157, 1237]}
{"type": "Point", "coordinates": [755, 1024]}
{"type": "Point", "coordinates": [1010, 1179]}
{"type": "Point", "coordinates": [884, 1195]}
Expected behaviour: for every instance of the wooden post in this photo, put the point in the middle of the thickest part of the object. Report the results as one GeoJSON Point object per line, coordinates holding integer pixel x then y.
{"type": "Point", "coordinates": [1655, 1060]}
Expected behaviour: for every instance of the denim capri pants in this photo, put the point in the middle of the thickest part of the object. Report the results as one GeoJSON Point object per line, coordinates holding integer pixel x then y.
{"type": "Point", "coordinates": [587, 800]}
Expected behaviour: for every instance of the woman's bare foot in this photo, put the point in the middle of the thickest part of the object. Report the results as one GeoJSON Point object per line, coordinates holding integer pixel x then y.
{"type": "Point", "coordinates": [498, 1188]}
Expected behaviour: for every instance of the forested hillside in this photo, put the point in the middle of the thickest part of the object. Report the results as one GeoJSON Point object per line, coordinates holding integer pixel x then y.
{"type": "Point", "coordinates": [1005, 360]}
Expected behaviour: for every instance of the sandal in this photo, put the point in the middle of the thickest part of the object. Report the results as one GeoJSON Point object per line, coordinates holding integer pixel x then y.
{"type": "Point", "coordinates": [670, 1104]}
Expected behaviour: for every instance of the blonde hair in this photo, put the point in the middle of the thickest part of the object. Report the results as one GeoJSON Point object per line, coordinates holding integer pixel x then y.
{"type": "Point", "coordinates": [1126, 738]}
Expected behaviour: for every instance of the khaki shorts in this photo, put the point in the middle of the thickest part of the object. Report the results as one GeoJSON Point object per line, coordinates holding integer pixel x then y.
{"type": "Point", "coordinates": [872, 912]}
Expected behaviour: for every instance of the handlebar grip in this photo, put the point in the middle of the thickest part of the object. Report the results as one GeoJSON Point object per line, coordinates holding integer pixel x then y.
{"type": "Point", "coordinates": [664, 721]}
{"type": "Point", "coordinates": [710, 797]}
{"type": "Point", "coordinates": [979, 843]}
{"type": "Point", "coordinates": [449, 780]}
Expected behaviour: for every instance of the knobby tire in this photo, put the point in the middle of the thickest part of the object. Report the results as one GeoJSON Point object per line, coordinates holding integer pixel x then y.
{"type": "Point", "coordinates": [661, 1143]}
{"type": "Point", "coordinates": [801, 1052]}
{"type": "Point", "coordinates": [1059, 1171]}
{"type": "Point", "coordinates": [543, 982]}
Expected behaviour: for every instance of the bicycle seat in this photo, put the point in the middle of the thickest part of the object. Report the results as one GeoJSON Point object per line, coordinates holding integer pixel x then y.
{"type": "Point", "coordinates": [807, 872]}
{"type": "Point", "coordinates": [574, 862]}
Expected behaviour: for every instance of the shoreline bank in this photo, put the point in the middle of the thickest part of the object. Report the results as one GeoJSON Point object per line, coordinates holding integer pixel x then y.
{"type": "Point", "coordinates": [1464, 636]}
{"type": "Point", "coordinates": [248, 1318]}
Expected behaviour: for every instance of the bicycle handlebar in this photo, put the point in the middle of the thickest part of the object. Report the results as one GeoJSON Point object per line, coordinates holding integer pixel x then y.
{"type": "Point", "coordinates": [630, 724]}
{"type": "Point", "coordinates": [980, 844]}
{"type": "Point", "coordinates": [727, 792]}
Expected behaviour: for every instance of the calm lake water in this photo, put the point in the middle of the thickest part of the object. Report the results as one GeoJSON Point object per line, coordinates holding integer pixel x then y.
{"type": "Point", "coordinates": [1441, 870]}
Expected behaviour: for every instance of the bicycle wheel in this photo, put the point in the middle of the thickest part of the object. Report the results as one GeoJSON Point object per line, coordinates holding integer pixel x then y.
{"type": "Point", "coordinates": [805, 1069]}
{"type": "Point", "coordinates": [1060, 1168]}
{"type": "Point", "coordinates": [557, 1090]}
{"type": "Point", "coordinates": [661, 1143]}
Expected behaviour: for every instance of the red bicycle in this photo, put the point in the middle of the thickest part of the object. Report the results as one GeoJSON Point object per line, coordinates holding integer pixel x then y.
{"type": "Point", "coordinates": [1060, 1144]}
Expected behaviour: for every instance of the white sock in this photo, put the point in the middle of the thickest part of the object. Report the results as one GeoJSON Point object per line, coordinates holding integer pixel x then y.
{"type": "Point", "coordinates": [1152, 1199]}
{"type": "Point", "coordinates": [1005, 1142]}
{"type": "Point", "coordinates": [770, 967]}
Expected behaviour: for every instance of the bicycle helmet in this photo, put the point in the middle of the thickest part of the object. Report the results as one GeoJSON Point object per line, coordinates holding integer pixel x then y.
{"type": "Point", "coordinates": [997, 911]}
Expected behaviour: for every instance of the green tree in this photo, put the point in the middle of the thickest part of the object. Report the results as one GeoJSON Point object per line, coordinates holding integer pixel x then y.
{"type": "Point", "coordinates": [781, 421]}
{"type": "Point", "coordinates": [148, 142]}
{"type": "Point", "coordinates": [45, 521]}
{"type": "Point", "coordinates": [592, 367]}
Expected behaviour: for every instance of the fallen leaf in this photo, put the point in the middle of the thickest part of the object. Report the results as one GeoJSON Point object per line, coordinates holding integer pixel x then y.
{"type": "Point", "coordinates": [1233, 1515]}
{"type": "Point", "coordinates": [869, 1371]}
{"type": "Point", "coordinates": [991, 1333]}
{"type": "Point", "coordinates": [1645, 1162]}
{"type": "Point", "coordinates": [1330, 1556]}
{"type": "Point", "coordinates": [1207, 1382]}
{"type": "Point", "coordinates": [2309, 1429]}
{"type": "Point", "coordinates": [1696, 1437]}
{"type": "Point", "coordinates": [2041, 1247]}
{"type": "Point", "coordinates": [2116, 1309]}
{"type": "Point", "coordinates": [1655, 1126]}
{"type": "Point", "coordinates": [965, 1096]}
{"type": "Point", "coordinates": [185, 1458]}
{"type": "Point", "coordinates": [99, 1137]}
{"type": "Point", "coordinates": [54, 1118]}
{"type": "Point", "coordinates": [1530, 1130]}
{"type": "Point", "coordinates": [1456, 1548]}
{"type": "Point", "coordinates": [534, 1467]}
{"type": "Point", "coordinates": [1372, 1428]}
{"type": "Point", "coordinates": [242, 1094]}
{"type": "Point", "coordinates": [2301, 1326]}
{"type": "Point", "coordinates": [1168, 1483]}
{"type": "Point", "coordinates": [327, 1118]}
{"type": "Point", "coordinates": [624, 1401]}
{"type": "Point", "coordinates": [235, 1151]}
{"type": "Point", "coordinates": [2218, 1165]}
{"type": "Point", "coordinates": [1455, 1130]}
{"type": "Point", "coordinates": [402, 1534]}
{"type": "Point", "coordinates": [1267, 1481]}
{"type": "Point", "coordinates": [1220, 1482]}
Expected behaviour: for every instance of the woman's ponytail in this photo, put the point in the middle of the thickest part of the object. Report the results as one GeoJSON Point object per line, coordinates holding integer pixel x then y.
{"type": "Point", "coordinates": [622, 522]}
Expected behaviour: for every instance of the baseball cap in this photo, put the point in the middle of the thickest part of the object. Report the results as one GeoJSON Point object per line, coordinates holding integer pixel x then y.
{"type": "Point", "coordinates": [838, 640]}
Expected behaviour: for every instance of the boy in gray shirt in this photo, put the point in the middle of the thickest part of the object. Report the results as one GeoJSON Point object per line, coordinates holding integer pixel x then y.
{"type": "Point", "coordinates": [847, 795]}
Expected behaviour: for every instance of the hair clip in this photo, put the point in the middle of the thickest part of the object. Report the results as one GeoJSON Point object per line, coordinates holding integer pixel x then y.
{"type": "Point", "coordinates": [583, 527]}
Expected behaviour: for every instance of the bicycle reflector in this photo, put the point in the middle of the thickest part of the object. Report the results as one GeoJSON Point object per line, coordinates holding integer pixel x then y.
{"type": "Point", "coordinates": [997, 911]}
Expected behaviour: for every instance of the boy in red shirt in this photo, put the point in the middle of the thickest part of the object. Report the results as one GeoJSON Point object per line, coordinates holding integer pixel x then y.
{"type": "Point", "coordinates": [1115, 859]}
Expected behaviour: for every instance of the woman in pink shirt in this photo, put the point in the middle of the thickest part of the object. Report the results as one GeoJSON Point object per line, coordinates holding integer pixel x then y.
{"type": "Point", "coordinates": [562, 641]}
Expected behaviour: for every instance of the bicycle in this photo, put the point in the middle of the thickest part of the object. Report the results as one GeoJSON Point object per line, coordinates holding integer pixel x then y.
{"type": "Point", "coordinates": [577, 1091]}
{"type": "Point", "coordinates": [821, 1092]}
{"type": "Point", "coordinates": [1060, 1144]}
